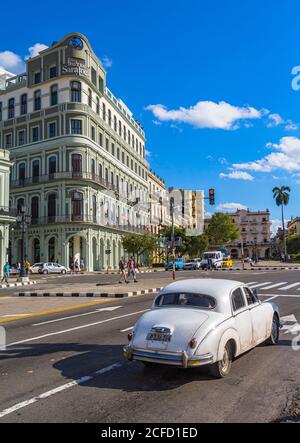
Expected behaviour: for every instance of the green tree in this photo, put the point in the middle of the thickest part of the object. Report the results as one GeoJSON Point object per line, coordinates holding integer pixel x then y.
{"type": "Point", "coordinates": [138, 245]}
{"type": "Point", "coordinates": [195, 246]}
{"type": "Point", "coordinates": [282, 198]}
{"type": "Point", "coordinates": [221, 230]}
{"type": "Point", "coordinates": [179, 232]}
{"type": "Point", "coordinates": [293, 244]}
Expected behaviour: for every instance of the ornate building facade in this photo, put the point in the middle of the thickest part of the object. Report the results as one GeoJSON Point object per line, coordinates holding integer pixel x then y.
{"type": "Point", "coordinates": [79, 158]}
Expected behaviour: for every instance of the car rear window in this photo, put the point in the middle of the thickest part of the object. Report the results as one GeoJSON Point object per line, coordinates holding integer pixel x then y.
{"type": "Point", "coordinates": [186, 299]}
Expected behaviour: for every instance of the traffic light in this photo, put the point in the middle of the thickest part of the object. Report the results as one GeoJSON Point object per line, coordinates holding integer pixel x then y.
{"type": "Point", "coordinates": [212, 197]}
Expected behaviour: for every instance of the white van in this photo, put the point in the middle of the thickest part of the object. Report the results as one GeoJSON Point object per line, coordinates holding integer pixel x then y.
{"type": "Point", "coordinates": [215, 257]}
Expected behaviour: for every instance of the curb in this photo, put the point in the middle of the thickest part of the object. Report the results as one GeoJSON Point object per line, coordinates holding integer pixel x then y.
{"type": "Point", "coordinates": [16, 285]}
{"type": "Point", "coordinates": [89, 294]}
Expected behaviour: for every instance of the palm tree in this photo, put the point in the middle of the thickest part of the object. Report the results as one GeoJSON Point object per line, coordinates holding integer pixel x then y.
{"type": "Point", "coordinates": [282, 198]}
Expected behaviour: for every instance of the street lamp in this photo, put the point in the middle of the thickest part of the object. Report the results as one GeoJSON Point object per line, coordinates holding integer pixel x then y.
{"type": "Point", "coordinates": [23, 220]}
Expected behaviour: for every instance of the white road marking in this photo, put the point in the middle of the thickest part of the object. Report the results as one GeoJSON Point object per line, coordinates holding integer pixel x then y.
{"type": "Point", "coordinates": [290, 318]}
{"type": "Point", "coordinates": [127, 329]}
{"type": "Point", "coordinates": [289, 287]}
{"type": "Point", "coordinates": [58, 389]}
{"type": "Point", "coordinates": [113, 308]}
{"type": "Point", "coordinates": [271, 298]}
{"type": "Point", "coordinates": [281, 295]}
{"type": "Point", "coordinates": [13, 315]}
{"type": "Point", "coordinates": [275, 285]}
{"type": "Point", "coordinates": [261, 284]}
{"type": "Point", "coordinates": [75, 329]}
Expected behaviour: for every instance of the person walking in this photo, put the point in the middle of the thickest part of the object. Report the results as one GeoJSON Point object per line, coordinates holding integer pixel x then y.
{"type": "Point", "coordinates": [77, 266]}
{"type": "Point", "coordinates": [132, 269]}
{"type": "Point", "coordinates": [5, 273]}
{"type": "Point", "coordinates": [122, 270]}
{"type": "Point", "coordinates": [27, 267]}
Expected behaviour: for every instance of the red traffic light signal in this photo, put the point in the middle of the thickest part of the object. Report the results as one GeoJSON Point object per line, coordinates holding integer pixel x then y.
{"type": "Point", "coordinates": [211, 196]}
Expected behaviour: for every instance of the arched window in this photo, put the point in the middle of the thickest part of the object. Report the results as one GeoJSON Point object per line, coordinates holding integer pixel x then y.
{"type": "Point", "coordinates": [75, 91]}
{"type": "Point", "coordinates": [35, 170]}
{"type": "Point", "coordinates": [37, 100]}
{"type": "Point", "coordinates": [104, 112]}
{"type": "Point", "coordinates": [93, 168]}
{"type": "Point", "coordinates": [77, 206]}
{"type": "Point", "coordinates": [34, 210]}
{"type": "Point", "coordinates": [22, 173]}
{"type": "Point", "coordinates": [76, 165]}
{"type": "Point", "coordinates": [51, 207]}
{"type": "Point", "coordinates": [23, 104]}
{"type": "Point", "coordinates": [52, 165]}
{"type": "Point", "coordinates": [97, 105]}
{"type": "Point", "coordinates": [100, 170]}
{"type": "Point", "coordinates": [20, 204]}
{"type": "Point", "coordinates": [53, 95]}
{"type": "Point", "coordinates": [94, 208]}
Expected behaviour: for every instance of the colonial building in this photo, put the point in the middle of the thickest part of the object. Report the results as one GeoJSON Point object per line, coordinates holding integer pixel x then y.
{"type": "Point", "coordinates": [293, 226]}
{"type": "Point", "coordinates": [6, 215]}
{"type": "Point", "coordinates": [158, 196]}
{"type": "Point", "coordinates": [79, 158]}
{"type": "Point", "coordinates": [255, 234]}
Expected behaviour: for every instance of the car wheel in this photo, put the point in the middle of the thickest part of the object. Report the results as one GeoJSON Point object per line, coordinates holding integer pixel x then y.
{"type": "Point", "coordinates": [274, 337]}
{"type": "Point", "coordinates": [45, 272]}
{"type": "Point", "coordinates": [222, 368]}
{"type": "Point", "coordinates": [63, 271]}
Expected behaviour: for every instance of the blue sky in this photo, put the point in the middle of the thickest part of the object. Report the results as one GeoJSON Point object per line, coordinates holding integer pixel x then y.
{"type": "Point", "coordinates": [210, 81]}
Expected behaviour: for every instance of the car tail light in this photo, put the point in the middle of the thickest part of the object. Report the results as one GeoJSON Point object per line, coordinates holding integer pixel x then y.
{"type": "Point", "coordinates": [193, 343]}
{"type": "Point", "coordinates": [130, 335]}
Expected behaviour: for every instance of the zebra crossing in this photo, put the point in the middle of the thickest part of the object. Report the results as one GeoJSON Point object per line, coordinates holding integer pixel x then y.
{"type": "Point", "coordinates": [279, 286]}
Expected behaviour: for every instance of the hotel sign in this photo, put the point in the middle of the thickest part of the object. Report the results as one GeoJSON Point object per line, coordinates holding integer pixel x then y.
{"type": "Point", "coordinates": [75, 66]}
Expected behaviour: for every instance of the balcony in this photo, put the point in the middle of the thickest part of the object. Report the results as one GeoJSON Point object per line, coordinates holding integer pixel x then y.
{"type": "Point", "coordinates": [86, 219]}
{"type": "Point", "coordinates": [58, 176]}
{"type": "Point", "coordinates": [7, 212]}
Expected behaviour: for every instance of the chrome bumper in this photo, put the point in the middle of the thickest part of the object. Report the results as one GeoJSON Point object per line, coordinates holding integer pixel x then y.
{"type": "Point", "coordinates": [183, 360]}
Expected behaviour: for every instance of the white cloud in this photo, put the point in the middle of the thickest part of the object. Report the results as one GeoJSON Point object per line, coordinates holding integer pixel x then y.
{"type": "Point", "coordinates": [237, 175]}
{"type": "Point", "coordinates": [274, 120]}
{"type": "Point", "coordinates": [223, 161]}
{"type": "Point", "coordinates": [106, 62]}
{"type": "Point", "coordinates": [35, 50]}
{"type": "Point", "coordinates": [277, 224]}
{"type": "Point", "coordinates": [207, 114]}
{"type": "Point", "coordinates": [147, 153]}
{"type": "Point", "coordinates": [10, 61]}
{"type": "Point", "coordinates": [156, 123]}
{"type": "Point", "coordinates": [291, 126]}
{"type": "Point", "coordinates": [286, 156]}
{"type": "Point", "coordinates": [230, 207]}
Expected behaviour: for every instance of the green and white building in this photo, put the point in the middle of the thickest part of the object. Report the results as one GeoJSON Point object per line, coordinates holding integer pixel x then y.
{"type": "Point", "coordinates": [78, 158]}
{"type": "Point", "coordinates": [6, 215]}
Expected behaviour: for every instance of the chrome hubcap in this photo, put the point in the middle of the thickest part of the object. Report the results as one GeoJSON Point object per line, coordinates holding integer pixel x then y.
{"type": "Point", "coordinates": [225, 361]}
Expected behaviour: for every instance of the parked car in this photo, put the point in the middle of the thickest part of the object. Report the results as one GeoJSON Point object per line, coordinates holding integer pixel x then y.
{"type": "Point", "coordinates": [203, 322]}
{"type": "Point", "coordinates": [214, 257]}
{"type": "Point", "coordinates": [34, 269]}
{"type": "Point", "coordinates": [179, 264]}
{"type": "Point", "coordinates": [192, 265]}
{"type": "Point", "coordinates": [53, 268]}
{"type": "Point", "coordinates": [13, 270]}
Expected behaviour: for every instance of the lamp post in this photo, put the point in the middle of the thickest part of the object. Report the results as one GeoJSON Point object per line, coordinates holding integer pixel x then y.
{"type": "Point", "coordinates": [173, 236]}
{"type": "Point", "coordinates": [23, 220]}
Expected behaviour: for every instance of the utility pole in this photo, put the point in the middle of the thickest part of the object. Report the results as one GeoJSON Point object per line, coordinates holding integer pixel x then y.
{"type": "Point", "coordinates": [173, 236]}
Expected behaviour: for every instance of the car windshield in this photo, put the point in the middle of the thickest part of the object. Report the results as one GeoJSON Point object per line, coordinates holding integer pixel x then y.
{"type": "Point", "coordinates": [209, 256]}
{"type": "Point", "coordinates": [186, 299]}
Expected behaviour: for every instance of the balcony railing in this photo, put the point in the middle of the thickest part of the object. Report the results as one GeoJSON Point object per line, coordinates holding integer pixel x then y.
{"type": "Point", "coordinates": [7, 212]}
{"type": "Point", "coordinates": [40, 179]}
{"type": "Point", "coordinates": [89, 219]}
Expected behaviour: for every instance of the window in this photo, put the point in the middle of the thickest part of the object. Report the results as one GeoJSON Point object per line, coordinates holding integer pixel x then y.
{"type": "Point", "coordinates": [251, 299]}
{"type": "Point", "coordinates": [93, 132]}
{"type": "Point", "coordinates": [129, 139]}
{"type": "Point", "coordinates": [53, 72]}
{"type": "Point", "coordinates": [34, 209]}
{"type": "Point", "coordinates": [100, 170]}
{"type": "Point", "coordinates": [90, 98]}
{"type": "Point", "coordinates": [76, 163]}
{"type": "Point", "coordinates": [238, 301]}
{"type": "Point", "coordinates": [109, 117]}
{"type": "Point", "coordinates": [106, 175]}
{"type": "Point", "coordinates": [100, 139]}
{"type": "Point", "coordinates": [8, 141]}
{"type": "Point", "coordinates": [35, 134]}
{"type": "Point", "coordinates": [76, 126]}
{"type": "Point", "coordinates": [52, 165]}
{"type": "Point", "coordinates": [35, 170]}
{"type": "Point", "coordinates": [124, 132]}
{"type": "Point", "coordinates": [101, 84]}
{"type": "Point", "coordinates": [23, 104]}
{"type": "Point", "coordinates": [186, 299]}
{"type": "Point", "coordinates": [112, 149]}
{"type": "Point", "coordinates": [97, 105]}
{"type": "Point", "coordinates": [21, 137]}
{"type": "Point", "coordinates": [75, 92]}
{"type": "Point", "coordinates": [123, 157]}
{"type": "Point", "coordinates": [115, 123]}
{"type": "Point", "coordinates": [52, 130]}
{"type": "Point", "coordinates": [118, 153]}
{"type": "Point", "coordinates": [22, 173]}
{"type": "Point", "coordinates": [11, 108]}
{"type": "Point", "coordinates": [107, 144]}
{"type": "Point", "coordinates": [120, 129]}
{"type": "Point", "coordinates": [51, 207]}
{"type": "Point", "coordinates": [53, 95]}
{"type": "Point", "coordinates": [104, 111]}
{"type": "Point", "coordinates": [37, 100]}
{"type": "Point", "coordinates": [0, 111]}
{"type": "Point", "coordinates": [94, 77]}
{"type": "Point", "coordinates": [93, 167]}
{"type": "Point", "coordinates": [37, 78]}
{"type": "Point", "coordinates": [77, 206]}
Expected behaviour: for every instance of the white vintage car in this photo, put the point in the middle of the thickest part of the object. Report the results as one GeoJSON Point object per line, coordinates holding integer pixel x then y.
{"type": "Point", "coordinates": [203, 322]}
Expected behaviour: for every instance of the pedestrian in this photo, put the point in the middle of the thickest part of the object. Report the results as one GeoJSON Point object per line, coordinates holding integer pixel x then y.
{"type": "Point", "coordinates": [77, 265]}
{"type": "Point", "coordinates": [122, 270]}
{"type": "Point", "coordinates": [5, 273]}
{"type": "Point", "coordinates": [132, 269]}
{"type": "Point", "coordinates": [18, 268]}
{"type": "Point", "coordinates": [81, 264]}
{"type": "Point", "coordinates": [27, 267]}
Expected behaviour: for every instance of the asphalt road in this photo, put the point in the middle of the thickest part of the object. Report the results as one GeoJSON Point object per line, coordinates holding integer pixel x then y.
{"type": "Point", "coordinates": [68, 367]}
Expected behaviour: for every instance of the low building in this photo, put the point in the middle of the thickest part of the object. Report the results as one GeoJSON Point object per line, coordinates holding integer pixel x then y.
{"type": "Point", "coordinates": [6, 215]}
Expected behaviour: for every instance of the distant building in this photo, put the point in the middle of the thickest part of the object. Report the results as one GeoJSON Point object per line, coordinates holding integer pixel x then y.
{"type": "Point", "coordinates": [255, 234]}
{"type": "Point", "coordinates": [189, 210]}
{"type": "Point", "coordinates": [157, 203]}
{"type": "Point", "coordinates": [293, 226]}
